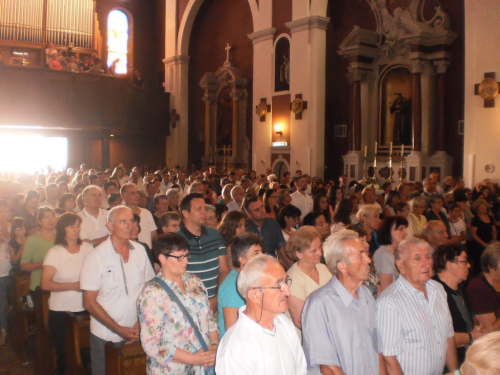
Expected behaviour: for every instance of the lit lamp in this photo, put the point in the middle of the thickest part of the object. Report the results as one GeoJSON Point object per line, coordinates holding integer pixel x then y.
{"type": "Point", "coordinates": [277, 129]}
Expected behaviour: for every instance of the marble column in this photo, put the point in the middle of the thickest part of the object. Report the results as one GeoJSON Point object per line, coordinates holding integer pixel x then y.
{"type": "Point", "coordinates": [441, 66]}
{"type": "Point", "coordinates": [350, 129]}
{"type": "Point", "coordinates": [356, 78]}
{"type": "Point", "coordinates": [234, 146]}
{"type": "Point", "coordinates": [416, 69]}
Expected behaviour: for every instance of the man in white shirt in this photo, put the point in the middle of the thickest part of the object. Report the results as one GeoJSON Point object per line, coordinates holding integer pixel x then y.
{"type": "Point", "coordinates": [237, 193]}
{"type": "Point", "coordinates": [111, 279]}
{"type": "Point", "coordinates": [300, 199]}
{"type": "Point", "coordinates": [51, 194]}
{"type": "Point", "coordinates": [130, 196]}
{"type": "Point", "coordinates": [135, 178]}
{"type": "Point", "coordinates": [94, 229]}
{"type": "Point", "coordinates": [263, 340]}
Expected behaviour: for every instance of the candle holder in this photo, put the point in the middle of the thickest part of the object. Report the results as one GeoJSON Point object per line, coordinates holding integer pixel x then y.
{"type": "Point", "coordinates": [364, 169]}
{"type": "Point", "coordinates": [390, 168]}
{"type": "Point", "coordinates": [401, 172]}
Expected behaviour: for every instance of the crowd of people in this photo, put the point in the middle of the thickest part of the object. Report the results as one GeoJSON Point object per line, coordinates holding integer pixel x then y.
{"type": "Point", "coordinates": [245, 273]}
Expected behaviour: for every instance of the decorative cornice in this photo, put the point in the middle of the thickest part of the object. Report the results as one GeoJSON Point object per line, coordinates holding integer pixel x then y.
{"type": "Point", "coordinates": [175, 60]}
{"type": "Point", "coordinates": [262, 35]}
{"type": "Point", "coordinates": [416, 66]}
{"type": "Point", "coordinates": [308, 23]}
{"type": "Point", "coordinates": [442, 66]}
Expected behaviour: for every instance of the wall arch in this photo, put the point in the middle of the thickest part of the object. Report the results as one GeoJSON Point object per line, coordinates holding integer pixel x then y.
{"type": "Point", "coordinates": [186, 25]}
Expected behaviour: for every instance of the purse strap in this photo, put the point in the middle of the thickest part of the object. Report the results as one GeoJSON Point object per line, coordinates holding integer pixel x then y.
{"type": "Point", "coordinates": [175, 299]}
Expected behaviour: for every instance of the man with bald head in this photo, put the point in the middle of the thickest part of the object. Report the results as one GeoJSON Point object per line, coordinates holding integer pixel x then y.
{"type": "Point", "coordinates": [415, 329]}
{"type": "Point", "coordinates": [237, 193]}
{"type": "Point", "coordinates": [111, 279]}
{"type": "Point", "coordinates": [435, 234]}
{"type": "Point", "coordinates": [93, 217]}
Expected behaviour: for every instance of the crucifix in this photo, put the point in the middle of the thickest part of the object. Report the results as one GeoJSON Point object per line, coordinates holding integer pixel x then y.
{"type": "Point", "coordinates": [228, 48]}
{"type": "Point", "coordinates": [487, 89]}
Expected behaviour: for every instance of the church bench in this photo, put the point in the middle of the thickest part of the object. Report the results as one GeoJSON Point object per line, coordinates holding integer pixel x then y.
{"type": "Point", "coordinates": [22, 316]}
{"type": "Point", "coordinates": [45, 353]}
{"type": "Point", "coordinates": [77, 343]}
{"type": "Point", "coordinates": [125, 360]}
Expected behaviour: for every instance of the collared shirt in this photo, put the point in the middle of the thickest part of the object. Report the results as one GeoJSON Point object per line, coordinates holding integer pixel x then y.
{"type": "Point", "coordinates": [271, 234]}
{"type": "Point", "coordinates": [205, 251]}
{"type": "Point", "coordinates": [249, 349]}
{"type": "Point", "coordinates": [119, 284]}
{"type": "Point", "coordinates": [233, 206]}
{"type": "Point", "coordinates": [147, 226]}
{"type": "Point", "coordinates": [93, 228]}
{"type": "Point", "coordinates": [340, 330]}
{"type": "Point", "coordinates": [303, 202]}
{"type": "Point", "coordinates": [413, 328]}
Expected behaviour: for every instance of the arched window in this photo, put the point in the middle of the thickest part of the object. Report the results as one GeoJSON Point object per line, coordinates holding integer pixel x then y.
{"type": "Point", "coordinates": [118, 40]}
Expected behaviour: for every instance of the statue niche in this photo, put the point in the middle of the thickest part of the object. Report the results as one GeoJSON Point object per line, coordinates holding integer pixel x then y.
{"type": "Point", "coordinates": [396, 107]}
{"type": "Point", "coordinates": [226, 118]}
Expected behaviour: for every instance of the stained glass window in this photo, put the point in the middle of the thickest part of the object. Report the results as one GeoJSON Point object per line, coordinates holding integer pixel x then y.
{"type": "Point", "coordinates": [118, 40]}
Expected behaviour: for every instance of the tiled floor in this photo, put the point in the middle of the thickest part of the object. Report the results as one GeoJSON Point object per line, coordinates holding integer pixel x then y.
{"type": "Point", "coordinates": [10, 363]}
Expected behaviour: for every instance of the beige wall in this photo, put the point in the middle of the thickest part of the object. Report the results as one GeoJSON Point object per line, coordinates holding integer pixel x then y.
{"type": "Point", "coordinates": [482, 125]}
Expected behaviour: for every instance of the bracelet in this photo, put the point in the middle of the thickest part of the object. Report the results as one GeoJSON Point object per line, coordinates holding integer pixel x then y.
{"type": "Point", "coordinates": [470, 338]}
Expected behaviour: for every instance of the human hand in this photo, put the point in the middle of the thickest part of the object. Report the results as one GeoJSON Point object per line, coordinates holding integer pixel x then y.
{"type": "Point", "coordinates": [206, 359]}
{"type": "Point", "coordinates": [129, 334]}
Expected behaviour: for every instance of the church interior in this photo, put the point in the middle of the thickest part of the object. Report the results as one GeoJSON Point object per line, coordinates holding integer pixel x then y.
{"type": "Point", "coordinates": [259, 83]}
{"type": "Point", "coordinates": [374, 90]}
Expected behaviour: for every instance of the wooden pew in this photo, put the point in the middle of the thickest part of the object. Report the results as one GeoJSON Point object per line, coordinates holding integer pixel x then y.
{"type": "Point", "coordinates": [45, 354]}
{"type": "Point", "coordinates": [77, 340]}
{"type": "Point", "coordinates": [125, 360]}
{"type": "Point", "coordinates": [21, 315]}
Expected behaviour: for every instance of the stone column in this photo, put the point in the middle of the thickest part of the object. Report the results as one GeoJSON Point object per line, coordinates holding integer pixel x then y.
{"type": "Point", "coordinates": [236, 104]}
{"type": "Point", "coordinates": [208, 103]}
{"type": "Point", "coordinates": [350, 129]}
{"type": "Point", "coordinates": [416, 69]}
{"type": "Point", "coordinates": [356, 77]}
{"type": "Point", "coordinates": [441, 67]}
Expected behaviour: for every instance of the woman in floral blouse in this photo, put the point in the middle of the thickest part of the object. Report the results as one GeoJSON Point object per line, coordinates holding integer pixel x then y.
{"type": "Point", "coordinates": [166, 335]}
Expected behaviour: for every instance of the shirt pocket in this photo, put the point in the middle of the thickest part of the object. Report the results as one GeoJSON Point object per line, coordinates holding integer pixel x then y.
{"type": "Point", "coordinates": [112, 278]}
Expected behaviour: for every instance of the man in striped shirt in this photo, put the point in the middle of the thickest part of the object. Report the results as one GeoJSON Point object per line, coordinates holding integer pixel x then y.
{"type": "Point", "coordinates": [414, 322]}
{"type": "Point", "coordinates": [208, 254]}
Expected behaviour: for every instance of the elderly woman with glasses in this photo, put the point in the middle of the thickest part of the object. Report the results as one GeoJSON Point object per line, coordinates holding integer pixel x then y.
{"type": "Point", "coordinates": [416, 217]}
{"type": "Point", "coordinates": [167, 336]}
{"type": "Point", "coordinates": [308, 273]}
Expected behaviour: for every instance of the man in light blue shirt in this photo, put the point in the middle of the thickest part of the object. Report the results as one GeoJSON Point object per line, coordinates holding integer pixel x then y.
{"type": "Point", "coordinates": [339, 328]}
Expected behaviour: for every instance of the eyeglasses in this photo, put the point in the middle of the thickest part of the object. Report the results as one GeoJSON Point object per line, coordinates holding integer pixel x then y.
{"type": "Point", "coordinates": [282, 286]}
{"type": "Point", "coordinates": [20, 228]}
{"type": "Point", "coordinates": [179, 258]}
{"type": "Point", "coordinates": [466, 261]}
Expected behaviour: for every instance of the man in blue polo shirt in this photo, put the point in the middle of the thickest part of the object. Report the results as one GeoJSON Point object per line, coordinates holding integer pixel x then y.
{"type": "Point", "coordinates": [208, 254]}
{"type": "Point", "coordinates": [268, 229]}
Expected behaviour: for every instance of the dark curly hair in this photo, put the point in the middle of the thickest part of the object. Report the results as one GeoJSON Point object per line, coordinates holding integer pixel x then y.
{"type": "Point", "coordinates": [229, 224]}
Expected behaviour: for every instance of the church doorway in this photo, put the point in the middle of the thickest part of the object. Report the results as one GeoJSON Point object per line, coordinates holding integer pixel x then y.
{"type": "Point", "coordinates": [280, 168]}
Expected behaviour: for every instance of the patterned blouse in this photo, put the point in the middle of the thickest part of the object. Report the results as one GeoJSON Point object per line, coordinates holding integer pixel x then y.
{"type": "Point", "coordinates": [164, 327]}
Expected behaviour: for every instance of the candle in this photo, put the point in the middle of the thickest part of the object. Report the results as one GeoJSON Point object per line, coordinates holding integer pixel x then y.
{"type": "Point", "coordinates": [366, 151]}
{"type": "Point", "coordinates": [402, 150]}
{"type": "Point", "coordinates": [390, 152]}
{"type": "Point", "coordinates": [375, 163]}
{"type": "Point", "coordinates": [376, 144]}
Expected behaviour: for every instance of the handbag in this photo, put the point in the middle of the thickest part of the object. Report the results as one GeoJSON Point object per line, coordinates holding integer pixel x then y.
{"type": "Point", "coordinates": [174, 298]}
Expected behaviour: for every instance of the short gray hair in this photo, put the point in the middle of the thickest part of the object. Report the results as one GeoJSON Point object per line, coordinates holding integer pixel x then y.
{"type": "Point", "coordinates": [209, 208]}
{"type": "Point", "coordinates": [114, 210]}
{"type": "Point", "coordinates": [403, 248]}
{"type": "Point", "coordinates": [193, 185]}
{"type": "Point", "coordinates": [251, 274]}
{"type": "Point", "coordinates": [87, 189]}
{"type": "Point", "coordinates": [235, 189]}
{"type": "Point", "coordinates": [335, 249]}
{"type": "Point", "coordinates": [430, 228]}
{"type": "Point", "coordinates": [366, 210]}
{"type": "Point", "coordinates": [172, 192]}
{"type": "Point", "coordinates": [417, 201]}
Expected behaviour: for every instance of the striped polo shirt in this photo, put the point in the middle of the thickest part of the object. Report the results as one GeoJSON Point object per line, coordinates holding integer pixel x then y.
{"type": "Point", "coordinates": [205, 251]}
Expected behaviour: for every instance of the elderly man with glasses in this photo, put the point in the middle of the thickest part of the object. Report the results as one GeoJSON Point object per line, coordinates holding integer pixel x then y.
{"type": "Point", "coordinates": [262, 341]}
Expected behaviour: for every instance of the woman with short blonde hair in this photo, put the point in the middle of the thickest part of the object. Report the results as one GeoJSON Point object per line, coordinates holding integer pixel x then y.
{"type": "Point", "coordinates": [308, 274]}
{"type": "Point", "coordinates": [483, 356]}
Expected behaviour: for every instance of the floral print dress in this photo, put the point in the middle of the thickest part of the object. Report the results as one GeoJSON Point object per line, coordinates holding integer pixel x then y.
{"type": "Point", "coordinates": [164, 328]}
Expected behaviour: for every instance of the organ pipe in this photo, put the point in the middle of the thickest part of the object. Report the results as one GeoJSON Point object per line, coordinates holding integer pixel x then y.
{"type": "Point", "coordinates": [68, 21]}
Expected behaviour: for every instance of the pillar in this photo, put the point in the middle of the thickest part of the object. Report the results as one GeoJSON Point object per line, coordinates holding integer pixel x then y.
{"type": "Point", "coordinates": [208, 103]}
{"type": "Point", "coordinates": [416, 69]}
{"type": "Point", "coordinates": [441, 66]}
{"type": "Point", "coordinates": [234, 141]}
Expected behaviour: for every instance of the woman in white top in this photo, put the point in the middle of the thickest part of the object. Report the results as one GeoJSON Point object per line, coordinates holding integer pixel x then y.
{"type": "Point", "coordinates": [392, 231]}
{"type": "Point", "coordinates": [308, 274]}
{"type": "Point", "coordinates": [416, 217]}
{"type": "Point", "coordinates": [457, 224]}
{"type": "Point", "coordinates": [61, 276]}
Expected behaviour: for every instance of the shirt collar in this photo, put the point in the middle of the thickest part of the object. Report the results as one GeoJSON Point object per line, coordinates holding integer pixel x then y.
{"type": "Point", "coordinates": [191, 236]}
{"type": "Point", "coordinates": [252, 324]}
{"type": "Point", "coordinates": [429, 286]}
{"type": "Point", "coordinates": [344, 295]}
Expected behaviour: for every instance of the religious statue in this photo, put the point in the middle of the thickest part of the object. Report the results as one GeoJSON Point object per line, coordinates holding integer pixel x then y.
{"type": "Point", "coordinates": [285, 71]}
{"type": "Point", "coordinates": [401, 133]}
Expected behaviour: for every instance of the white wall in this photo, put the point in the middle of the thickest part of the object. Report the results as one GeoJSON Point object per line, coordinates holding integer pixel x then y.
{"type": "Point", "coordinates": [482, 125]}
